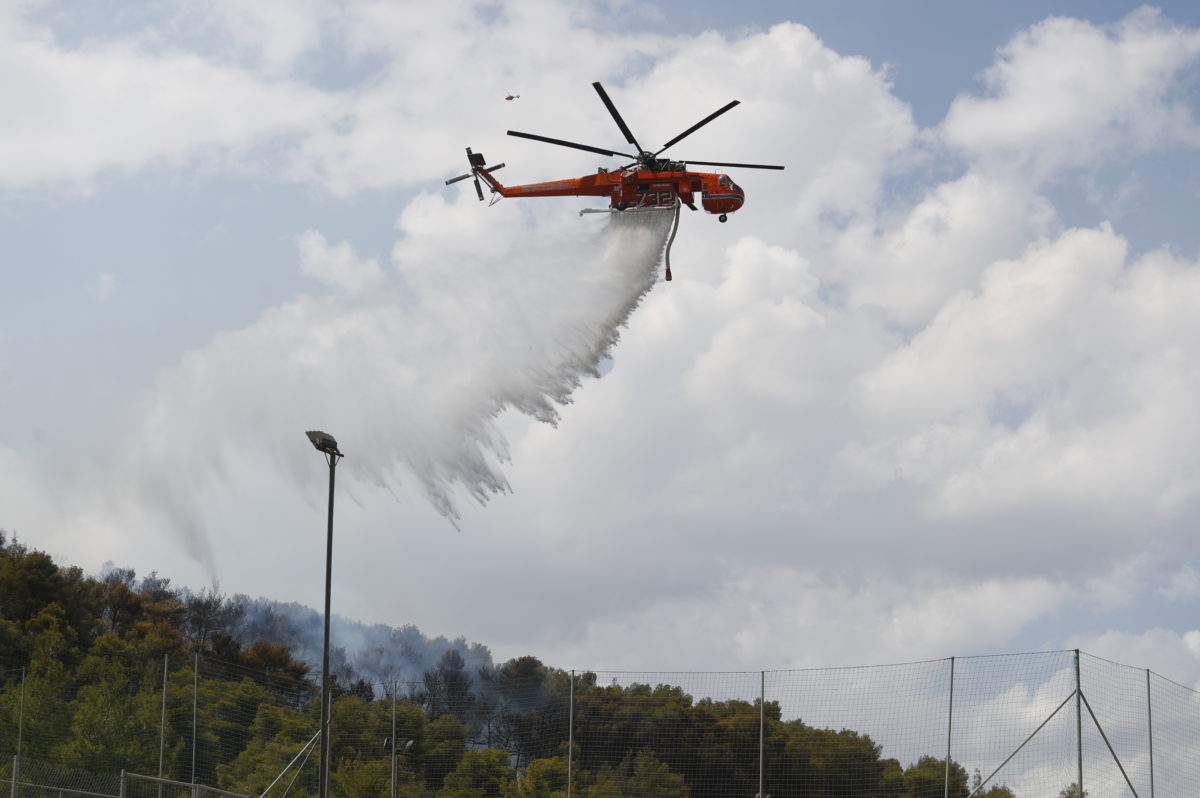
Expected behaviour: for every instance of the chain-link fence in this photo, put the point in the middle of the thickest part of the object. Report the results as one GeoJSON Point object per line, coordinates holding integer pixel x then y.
{"type": "Point", "coordinates": [1057, 724]}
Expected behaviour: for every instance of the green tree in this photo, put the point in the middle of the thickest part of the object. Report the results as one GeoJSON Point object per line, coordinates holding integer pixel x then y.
{"type": "Point", "coordinates": [273, 659]}
{"type": "Point", "coordinates": [480, 774]}
{"type": "Point", "coordinates": [605, 785]}
{"type": "Point", "coordinates": [891, 781]}
{"type": "Point", "coordinates": [178, 762]}
{"type": "Point", "coordinates": [807, 761]}
{"type": "Point", "coordinates": [48, 704]}
{"type": "Point", "coordinates": [646, 777]}
{"type": "Point", "coordinates": [228, 711]}
{"type": "Point", "coordinates": [526, 703]}
{"type": "Point", "coordinates": [927, 779]}
{"type": "Point", "coordinates": [276, 736]}
{"type": "Point", "coordinates": [364, 777]}
{"type": "Point", "coordinates": [362, 728]}
{"type": "Point", "coordinates": [444, 746]}
{"type": "Point", "coordinates": [117, 711]}
{"type": "Point", "coordinates": [30, 585]}
{"type": "Point", "coordinates": [543, 778]}
{"type": "Point", "coordinates": [994, 791]}
{"type": "Point", "coordinates": [116, 596]}
{"type": "Point", "coordinates": [29, 580]}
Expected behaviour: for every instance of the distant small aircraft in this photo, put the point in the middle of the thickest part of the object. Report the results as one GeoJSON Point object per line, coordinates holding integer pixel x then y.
{"type": "Point", "coordinates": [513, 97]}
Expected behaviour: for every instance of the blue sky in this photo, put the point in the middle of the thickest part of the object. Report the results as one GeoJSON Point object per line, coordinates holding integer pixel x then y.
{"type": "Point", "coordinates": [931, 385]}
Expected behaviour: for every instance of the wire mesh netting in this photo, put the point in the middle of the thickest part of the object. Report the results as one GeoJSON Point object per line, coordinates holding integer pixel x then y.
{"type": "Point", "coordinates": [231, 724]}
{"type": "Point", "coordinates": [11, 689]}
{"type": "Point", "coordinates": [39, 778]}
{"type": "Point", "coordinates": [993, 727]}
{"type": "Point", "coordinates": [658, 732]}
{"type": "Point", "coordinates": [1014, 721]}
{"type": "Point", "coordinates": [1175, 744]}
{"type": "Point", "coordinates": [1116, 727]}
{"type": "Point", "coordinates": [138, 786]}
{"type": "Point", "coordinates": [854, 730]}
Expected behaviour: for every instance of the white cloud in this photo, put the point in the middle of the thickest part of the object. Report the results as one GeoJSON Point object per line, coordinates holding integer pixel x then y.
{"type": "Point", "coordinates": [1172, 654]}
{"type": "Point", "coordinates": [74, 113]}
{"type": "Point", "coordinates": [1059, 380]}
{"type": "Point", "coordinates": [1020, 303]}
{"type": "Point", "coordinates": [104, 285]}
{"type": "Point", "coordinates": [278, 31]}
{"type": "Point", "coordinates": [26, 504]}
{"type": "Point", "coordinates": [337, 265]}
{"type": "Point", "coordinates": [1182, 585]}
{"type": "Point", "coordinates": [795, 617]}
{"type": "Point", "coordinates": [972, 616]}
{"type": "Point", "coordinates": [1066, 94]}
{"type": "Point", "coordinates": [1120, 586]}
{"type": "Point", "coordinates": [942, 246]}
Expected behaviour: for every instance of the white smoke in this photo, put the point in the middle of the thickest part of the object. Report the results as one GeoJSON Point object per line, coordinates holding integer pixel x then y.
{"type": "Point", "coordinates": [408, 369]}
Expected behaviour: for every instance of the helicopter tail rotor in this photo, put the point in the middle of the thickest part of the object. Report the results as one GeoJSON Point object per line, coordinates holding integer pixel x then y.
{"type": "Point", "coordinates": [477, 162]}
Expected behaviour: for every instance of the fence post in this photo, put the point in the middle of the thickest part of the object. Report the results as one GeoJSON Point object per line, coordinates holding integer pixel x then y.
{"type": "Point", "coordinates": [328, 752]}
{"type": "Point", "coordinates": [1150, 728]}
{"type": "Point", "coordinates": [121, 794]}
{"type": "Point", "coordinates": [1079, 722]}
{"type": "Point", "coordinates": [949, 728]}
{"type": "Point", "coordinates": [570, 733]}
{"type": "Point", "coordinates": [162, 723]}
{"type": "Point", "coordinates": [395, 687]}
{"type": "Point", "coordinates": [762, 709]}
{"type": "Point", "coordinates": [16, 772]}
{"type": "Point", "coordinates": [195, 701]}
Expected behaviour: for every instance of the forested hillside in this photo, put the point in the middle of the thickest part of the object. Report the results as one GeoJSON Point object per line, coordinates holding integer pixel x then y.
{"type": "Point", "coordinates": [121, 672]}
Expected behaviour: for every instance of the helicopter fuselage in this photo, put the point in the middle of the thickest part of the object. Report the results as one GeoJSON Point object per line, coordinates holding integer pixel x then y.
{"type": "Point", "coordinates": [637, 188]}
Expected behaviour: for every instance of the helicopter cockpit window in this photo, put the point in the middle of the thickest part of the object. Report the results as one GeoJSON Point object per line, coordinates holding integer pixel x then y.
{"type": "Point", "coordinates": [724, 181]}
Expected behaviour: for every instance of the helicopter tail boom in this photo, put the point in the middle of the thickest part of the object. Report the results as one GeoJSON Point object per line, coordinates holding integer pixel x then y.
{"type": "Point", "coordinates": [479, 169]}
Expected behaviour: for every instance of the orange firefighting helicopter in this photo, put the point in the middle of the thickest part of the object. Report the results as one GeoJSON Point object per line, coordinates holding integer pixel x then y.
{"type": "Point", "coordinates": [645, 183]}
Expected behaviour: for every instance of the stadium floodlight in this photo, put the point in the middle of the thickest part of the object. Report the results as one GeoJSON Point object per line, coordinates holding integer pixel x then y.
{"type": "Point", "coordinates": [324, 443]}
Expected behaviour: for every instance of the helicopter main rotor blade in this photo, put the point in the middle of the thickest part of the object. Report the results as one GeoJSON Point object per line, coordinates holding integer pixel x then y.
{"type": "Point", "coordinates": [699, 125]}
{"type": "Point", "coordinates": [734, 165]}
{"type": "Point", "coordinates": [612, 109]}
{"type": "Point", "coordinates": [572, 144]}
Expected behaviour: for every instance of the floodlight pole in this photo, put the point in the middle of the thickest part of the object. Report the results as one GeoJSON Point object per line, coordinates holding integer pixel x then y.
{"type": "Point", "coordinates": [325, 444]}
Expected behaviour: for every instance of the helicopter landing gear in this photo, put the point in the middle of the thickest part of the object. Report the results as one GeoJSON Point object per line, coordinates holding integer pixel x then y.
{"type": "Point", "coordinates": [722, 218]}
{"type": "Point", "coordinates": [621, 205]}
